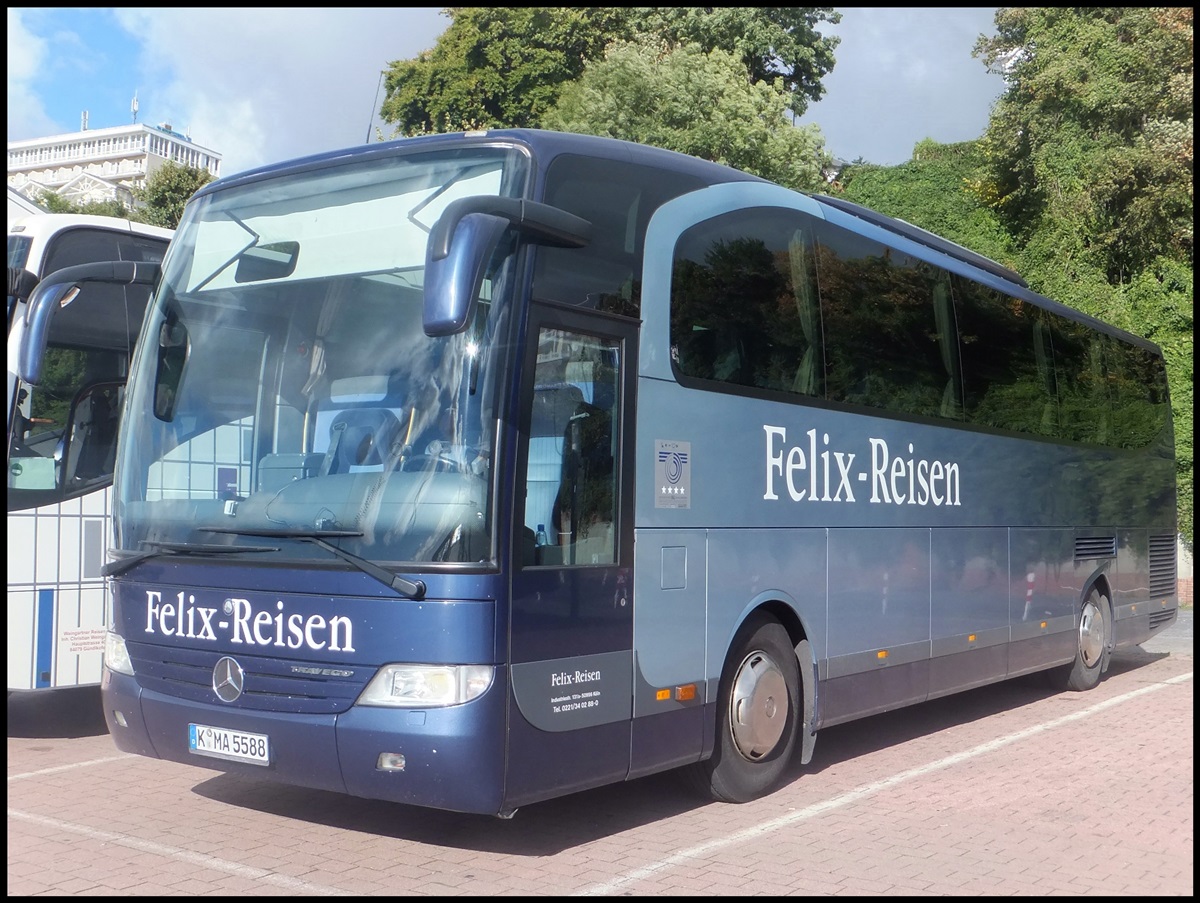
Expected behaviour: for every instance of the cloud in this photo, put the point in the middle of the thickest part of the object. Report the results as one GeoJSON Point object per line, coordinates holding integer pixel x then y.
{"type": "Point", "coordinates": [260, 85]}
{"type": "Point", "coordinates": [256, 85]}
{"type": "Point", "coordinates": [902, 75]}
{"type": "Point", "coordinates": [264, 85]}
{"type": "Point", "coordinates": [27, 57]}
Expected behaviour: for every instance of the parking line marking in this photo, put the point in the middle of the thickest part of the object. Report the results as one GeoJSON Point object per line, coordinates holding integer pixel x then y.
{"type": "Point", "coordinates": [56, 769]}
{"type": "Point", "coordinates": [286, 882]}
{"type": "Point", "coordinates": [608, 888]}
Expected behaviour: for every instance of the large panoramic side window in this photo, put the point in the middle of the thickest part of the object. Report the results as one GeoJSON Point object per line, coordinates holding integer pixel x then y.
{"type": "Point", "coordinates": [888, 328]}
{"type": "Point", "coordinates": [744, 306]}
{"type": "Point", "coordinates": [1008, 363]}
{"type": "Point", "coordinates": [1138, 382]}
{"type": "Point", "coordinates": [1085, 406]}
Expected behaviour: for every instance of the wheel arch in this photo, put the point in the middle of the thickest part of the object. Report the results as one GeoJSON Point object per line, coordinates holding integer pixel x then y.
{"type": "Point", "coordinates": [781, 607]}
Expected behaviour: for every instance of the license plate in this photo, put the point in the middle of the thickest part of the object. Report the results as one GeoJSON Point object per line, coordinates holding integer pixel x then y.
{"type": "Point", "coordinates": [222, 743]}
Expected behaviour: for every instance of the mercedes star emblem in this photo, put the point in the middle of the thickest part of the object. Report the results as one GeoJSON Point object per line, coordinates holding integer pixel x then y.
{"type": "Point", "coordinates": [228, 679]}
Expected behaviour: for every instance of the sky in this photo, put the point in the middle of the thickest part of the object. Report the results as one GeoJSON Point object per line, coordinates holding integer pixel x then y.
{"type": "Point", "coordinates": [261, 85]}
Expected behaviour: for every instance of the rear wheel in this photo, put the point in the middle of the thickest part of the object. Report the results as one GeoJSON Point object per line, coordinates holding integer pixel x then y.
{"type": "Point", "coordinates": [1091, 648]}
{"type": "Point", "coordinates": [758, 712]}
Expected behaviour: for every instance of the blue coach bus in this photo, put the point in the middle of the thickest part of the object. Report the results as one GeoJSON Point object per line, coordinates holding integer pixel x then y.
{"type": "Point", "coordinates": [468, 471]}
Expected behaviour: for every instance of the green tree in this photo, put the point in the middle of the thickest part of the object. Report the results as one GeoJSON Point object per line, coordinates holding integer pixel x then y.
{"type": "Point", "coordinates": [56, 203]}
{"type": "Point", "coordinates": [496, 67]}
{"type": "Point", "coordinates": [161, 200]}
{"type": "Point", "coordinates": [1090, 144]}
{"type": "Point", "coordinates": [1089, 158]}
{"type": "Point", "coordinates": [934, 191]}
{"type": "Point", "coordinates": [505, 67]}
{"type": "Point", "coordinates": [696, 102]}
{"type": "Point", "coordinates": [774, 43]}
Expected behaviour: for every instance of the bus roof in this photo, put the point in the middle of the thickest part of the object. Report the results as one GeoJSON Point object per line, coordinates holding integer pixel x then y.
{"type": "Point", "coordinates": [544, 145]}
{"type": "Point", "coordinates": [40, 224]}
{"type": "Point", "coordinates": [925, 237]}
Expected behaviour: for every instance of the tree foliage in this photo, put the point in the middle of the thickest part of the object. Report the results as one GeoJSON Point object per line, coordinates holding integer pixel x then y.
{"type": "Point", "coordinates": [496, 67]}
{"type": "Point", "coordinates": [505, 67]}
{"type": "Point", "coordinates": [167, 190]}
{"type": "Point", "coordinates": [56, 203]}
{"type": "Point", "coordinates": [696, 102]}
{"type": "Point", "coordinates": [931, 190]}
{"type": "Point", "coordinates": [773, 43]}
{"type": "Point", "coordinates": [1082, 181]}
{"type": "Point", "coordinates": [159, 202]}
{"type": "Point", "coordinates": [1085, 146]}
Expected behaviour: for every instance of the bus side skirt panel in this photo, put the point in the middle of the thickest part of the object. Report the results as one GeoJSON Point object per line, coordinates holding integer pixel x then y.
{"type": "Point", "coordinates": [669, 740]}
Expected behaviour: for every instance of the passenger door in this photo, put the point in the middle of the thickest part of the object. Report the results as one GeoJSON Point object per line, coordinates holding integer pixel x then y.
{"type": "Point", "coordinates": [571, 625]}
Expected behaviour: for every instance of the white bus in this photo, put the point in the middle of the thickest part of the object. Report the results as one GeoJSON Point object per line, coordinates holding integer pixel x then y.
{"type": "Point", "coordinates": [59, 506]}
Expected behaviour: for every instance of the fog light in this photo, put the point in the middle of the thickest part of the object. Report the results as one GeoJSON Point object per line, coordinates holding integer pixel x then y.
{"type": "Point", "coordinates": [390, 762]}
{"type": "Point", "coordinates": [119, 717]}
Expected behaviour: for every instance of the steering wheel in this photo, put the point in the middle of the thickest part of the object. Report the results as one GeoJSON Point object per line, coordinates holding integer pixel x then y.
{"type": "Point", "coordinates": [439, 457]}
{"type": "Point", "coordinates": [436, 463]}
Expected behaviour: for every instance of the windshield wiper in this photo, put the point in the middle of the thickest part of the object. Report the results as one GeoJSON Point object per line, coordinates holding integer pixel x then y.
{"type": "Point", "coordinates": [413, 589]}
{"type": "Point", "coordinates": [157, 547]}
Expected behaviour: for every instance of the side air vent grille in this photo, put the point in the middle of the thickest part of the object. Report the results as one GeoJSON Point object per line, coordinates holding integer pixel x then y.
{"type": "Point", "coordinates": [1162, 566]}
{"type": "Point", "coordinates": [1091, 547]}
{"type": "Point", "coordinates": [1161, 618]}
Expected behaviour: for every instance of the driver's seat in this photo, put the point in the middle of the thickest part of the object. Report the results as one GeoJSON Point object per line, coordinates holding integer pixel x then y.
{"type": "Point", "coordinates": [361, 439]}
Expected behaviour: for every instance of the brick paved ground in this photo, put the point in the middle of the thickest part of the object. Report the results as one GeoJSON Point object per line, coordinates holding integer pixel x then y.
{"type": "Point", "coordinates": [1007, 790]}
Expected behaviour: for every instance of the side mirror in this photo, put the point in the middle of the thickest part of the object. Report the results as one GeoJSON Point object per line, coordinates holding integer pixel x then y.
{"type": "Point", "coordinates": [60, 289]}
{"type": "Point", "coordinates": [90, 437]}
{"type": "Point", "coordinates": [463, 240]}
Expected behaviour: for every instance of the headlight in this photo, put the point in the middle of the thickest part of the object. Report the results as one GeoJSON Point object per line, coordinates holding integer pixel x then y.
{"type": "Point", "coordinates": [116, 656]}
{"type": "Point", "coordinates": [427, 686]}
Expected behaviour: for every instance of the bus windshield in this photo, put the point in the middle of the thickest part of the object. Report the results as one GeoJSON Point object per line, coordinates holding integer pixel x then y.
{"type": "Point", "coordinates": [289, 387]}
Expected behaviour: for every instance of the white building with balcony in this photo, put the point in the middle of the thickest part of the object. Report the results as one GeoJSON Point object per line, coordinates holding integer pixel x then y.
{"type": "Point", "coordinates": [101, 164]}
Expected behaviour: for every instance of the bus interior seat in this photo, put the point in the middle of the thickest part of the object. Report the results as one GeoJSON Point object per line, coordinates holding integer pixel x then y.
{"type": "Point", "coordinates": [94, 443]}
{"type": "Point", "coordinates": [361, 438]}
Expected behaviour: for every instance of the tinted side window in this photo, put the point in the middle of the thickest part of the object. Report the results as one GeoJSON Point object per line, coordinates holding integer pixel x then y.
{"type": "Point", "coordinates": [1138, 388]}
{"type": "Point", "coordinates": [889, 328]}
{"type": "Point", "coordinates": [618, 199]}
{"type": "Point", "coordinates": [744, 306]}
{"type": "Point", "coordinates": [108, 315]}
{"type": "Point", "coordinates": [1007, 362]}
{"type": "Point", "coordinates": [83, 245]}
{"type": "Point", "coordinates": [1085, 408]}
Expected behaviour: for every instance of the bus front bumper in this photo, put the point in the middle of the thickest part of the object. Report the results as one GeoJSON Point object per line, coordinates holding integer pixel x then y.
{"type": "Point", "coordinates": [448, 758]}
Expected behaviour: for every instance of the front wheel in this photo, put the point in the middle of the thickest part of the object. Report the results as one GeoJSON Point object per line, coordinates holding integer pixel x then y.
{"type": "Point", "coordinates": [1091, 652]}
{"type": "Point", "coordinates": [758, 712]}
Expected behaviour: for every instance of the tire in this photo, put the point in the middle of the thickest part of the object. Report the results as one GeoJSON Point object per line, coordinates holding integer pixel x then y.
{"type": "Point", "coordinates": [1091, 647]}
{"type": "Point", "coordinates": [758, 715]}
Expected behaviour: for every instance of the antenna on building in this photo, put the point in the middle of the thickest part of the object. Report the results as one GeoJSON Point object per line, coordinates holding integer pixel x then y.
{"type": "Point", "coordinates": [83, 121]}
{"type": "Point", "coordinates": [133, 107]}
